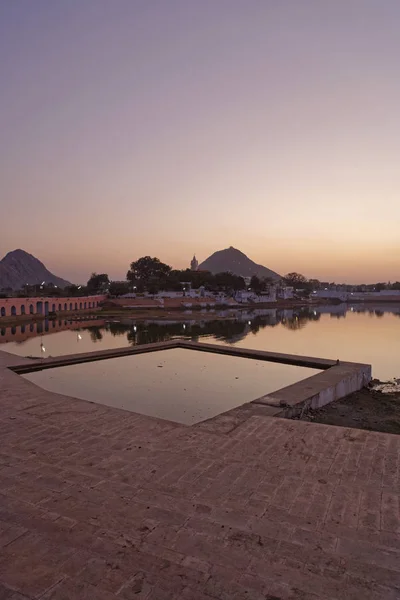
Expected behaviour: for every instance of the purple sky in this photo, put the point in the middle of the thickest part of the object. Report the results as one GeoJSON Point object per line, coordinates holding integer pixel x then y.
{"type": "Point", "coordinates": [132, 127]}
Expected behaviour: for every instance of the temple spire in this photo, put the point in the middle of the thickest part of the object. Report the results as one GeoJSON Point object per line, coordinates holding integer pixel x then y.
{"type": "Point", "coordinates": [194, 263]}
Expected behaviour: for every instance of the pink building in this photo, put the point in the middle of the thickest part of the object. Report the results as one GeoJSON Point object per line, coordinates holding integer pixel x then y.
{"type": "Point", "coordinates": [10, 307]}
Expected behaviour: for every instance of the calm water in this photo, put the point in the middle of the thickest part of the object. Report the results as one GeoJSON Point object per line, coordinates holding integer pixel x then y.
{"type": "Point", "coordinates": [359, 333]}
{"type": "Point", "coordinates": [178, 385]}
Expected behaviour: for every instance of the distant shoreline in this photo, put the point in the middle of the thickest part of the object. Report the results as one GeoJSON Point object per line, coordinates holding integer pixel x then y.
{"type": "Point", "coordinates": [183, 313]}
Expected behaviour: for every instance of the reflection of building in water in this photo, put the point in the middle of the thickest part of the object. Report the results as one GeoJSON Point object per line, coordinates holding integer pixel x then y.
{"type": "Point", "coordinates": [25, 331]}
{"type": "Point", "coordinates": [338, 310]}
{"type": "Point", "coordinates": [335, 309]}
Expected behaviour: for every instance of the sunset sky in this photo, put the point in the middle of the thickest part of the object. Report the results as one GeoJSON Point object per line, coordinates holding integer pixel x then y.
{"type": "Point", "coordinates": [168, 127]}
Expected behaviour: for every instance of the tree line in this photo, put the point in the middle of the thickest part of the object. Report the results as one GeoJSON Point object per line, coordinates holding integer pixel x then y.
{"type": "Point", "coordinates": [149, 274]}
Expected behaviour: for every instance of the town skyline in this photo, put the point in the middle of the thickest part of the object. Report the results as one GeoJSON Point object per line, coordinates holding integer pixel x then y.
{"type": "Point", "coordinates": [189, 266]}
{"type": "Point", "coordinates": [180, 127]}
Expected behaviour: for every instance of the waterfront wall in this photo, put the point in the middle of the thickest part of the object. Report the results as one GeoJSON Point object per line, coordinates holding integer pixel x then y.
{"type": "Point", "coordinates": [11, 307]}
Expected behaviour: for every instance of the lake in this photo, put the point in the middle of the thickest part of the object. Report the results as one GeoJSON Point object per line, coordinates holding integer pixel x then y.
{"type": "Point", "coordinates": [360, 333]}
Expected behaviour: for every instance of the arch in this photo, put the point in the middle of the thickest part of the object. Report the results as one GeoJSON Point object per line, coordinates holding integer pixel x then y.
{"type": "Point", "coordinates": [31, 309]}
{"type": "Point", "coordinates": [84, 306]}
{"type": "Point", "coordinates": [70, 306]}
{"type": "Point", "coordinates": [46, 308]}
{"type": "Point", "coordinates": [2, 331]}
{"type": "Point", "coordinates": [22, 309]}
{"type": "Point", "coordinates": [13, 330]}
{"type": "Point", "coordinates": [76, 306]}
{"type": "Point", "coordinates": [89, 303]}
{"type": "Point", "coordinates": [13, 311]}
{"type": "Point", "coordinates": [80, 305]}
{"type": "Point", "coordinates": [59, 307]}
{"type": "Point", "coordinates": [65, 306]}
{"type": "Point", "coordinates": [53, 308]}
{"type": "Point", "coordinates": [39, 307]}
{"type": "Point", "coordinates": [3, 311]}
{"type": "Point", "coordinates": [31, 327]}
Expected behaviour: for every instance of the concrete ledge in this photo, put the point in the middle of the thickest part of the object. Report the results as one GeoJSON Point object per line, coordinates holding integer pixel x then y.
{"type": "Point", "coordinates": [288, 359]}
{"type": "Point", "coordinates": [335, 381]}
{"type": "Point", "coordinates": [72, 359]}
{"type": "Point", "coordinates": [316, 391]}
{"type": "Point", "coordinates": [75, 359]}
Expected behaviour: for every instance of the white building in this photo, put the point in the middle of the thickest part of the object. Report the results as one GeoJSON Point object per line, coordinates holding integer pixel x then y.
{"type": "Point", "coordinates": [249, 297]}
{"type": "Point", "coordinates": [284, 292]}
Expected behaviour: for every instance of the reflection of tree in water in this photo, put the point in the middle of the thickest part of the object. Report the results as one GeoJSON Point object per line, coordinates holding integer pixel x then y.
{"type": "Point", "coordinates": [116, 328]}
{"type": "Point", "coordinates": [223, 331]}
{"type": "Point", "coordinates": [150, 333]}
{"type": "Point", "coordinates": [300, 319]}
{"type": "Point", "coordinates": [95, 333]}
{"type": "Point", "coordinates": [227, 331]}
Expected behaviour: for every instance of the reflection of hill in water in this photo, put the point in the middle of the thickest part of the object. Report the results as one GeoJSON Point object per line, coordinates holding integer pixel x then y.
{"type": "Point", "coordinates": [227, 331]}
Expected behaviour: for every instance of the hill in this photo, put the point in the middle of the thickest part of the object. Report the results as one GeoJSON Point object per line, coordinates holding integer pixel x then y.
{"type": "Point", "coordinates": [235, 262]}
{"type": "Point", "coordinates": [18, 268]}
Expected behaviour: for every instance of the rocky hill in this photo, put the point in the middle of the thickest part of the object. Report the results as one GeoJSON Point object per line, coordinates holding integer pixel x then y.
{"type": "Point", "coordinates": [18, 268]}
{"type": "Point", "coordinates": [236, 262]}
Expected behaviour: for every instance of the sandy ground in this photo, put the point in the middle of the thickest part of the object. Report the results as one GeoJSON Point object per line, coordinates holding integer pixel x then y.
{"type": "Point", "coordinates": [374, 408]}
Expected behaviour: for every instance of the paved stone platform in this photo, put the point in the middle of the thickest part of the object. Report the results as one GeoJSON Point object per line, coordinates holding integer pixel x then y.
{"type": "Point", "coordinates": [102, 504]}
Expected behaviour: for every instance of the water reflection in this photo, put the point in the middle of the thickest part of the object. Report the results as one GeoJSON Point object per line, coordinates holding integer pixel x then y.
{"type": "Point", "coordinates": [225, 330]}
{"type": "Point", "coordinates": [359, 333]}
{"type": "Point", "coordinates": [21, 333]}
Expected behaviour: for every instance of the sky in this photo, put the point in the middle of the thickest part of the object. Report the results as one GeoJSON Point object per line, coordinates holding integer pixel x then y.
{"type": "Point", "coordinates": [167, 128]}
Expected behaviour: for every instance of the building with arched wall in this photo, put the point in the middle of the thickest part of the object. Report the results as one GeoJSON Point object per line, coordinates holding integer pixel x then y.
{"type": "Point", "coordinates": [12, 307]}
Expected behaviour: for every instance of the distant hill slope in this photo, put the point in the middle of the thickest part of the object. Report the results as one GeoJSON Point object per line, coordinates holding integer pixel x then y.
{"type": "Point", "coordinates": [237, 263]}
{"type": "Point", "coordinates": [18, 268]}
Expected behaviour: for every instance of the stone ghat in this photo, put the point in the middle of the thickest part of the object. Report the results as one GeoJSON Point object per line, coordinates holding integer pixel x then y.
{"type": "Point", "coordinates": [103, 504]}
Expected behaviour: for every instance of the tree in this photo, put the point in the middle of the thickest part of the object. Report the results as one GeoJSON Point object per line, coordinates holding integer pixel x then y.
{"type": "Point", "coordinates": [98, 282]}
{"type": "Point", "coordinates": [148, 270]}
{"type": "Point", "coordinates": [296, 280]}
{"type": "Point", "coordinates": [75, 290]}
{"type": "Point", "coordinates": [380, 286]}
{"type": "Point", "coordinates": [118, 288]}
{"type": "Point", "coordinates": [315, 283]}
{"type": "Point", "coordinates": [256, 284]}
{"type": "Point", "coordinates": [227, 282]}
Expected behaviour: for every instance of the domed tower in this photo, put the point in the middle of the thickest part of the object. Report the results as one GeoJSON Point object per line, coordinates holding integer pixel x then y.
{"type": "Point", "coordinates": [194, 263]}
